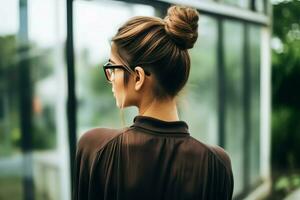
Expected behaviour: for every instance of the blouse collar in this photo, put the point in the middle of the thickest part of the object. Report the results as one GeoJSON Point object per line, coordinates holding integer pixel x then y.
{"type": "Point", "coordinates": [157, 125]}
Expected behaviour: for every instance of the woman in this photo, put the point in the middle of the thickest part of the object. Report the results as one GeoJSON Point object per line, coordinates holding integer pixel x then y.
{"type": "Point", "coordinates": [154, 158]}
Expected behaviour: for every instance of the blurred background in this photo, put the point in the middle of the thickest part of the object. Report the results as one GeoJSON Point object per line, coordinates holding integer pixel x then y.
{"type": "Point", "coordinates": [242, 94]}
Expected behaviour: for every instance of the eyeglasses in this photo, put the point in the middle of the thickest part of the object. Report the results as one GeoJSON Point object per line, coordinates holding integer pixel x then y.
{"type": "Point", "coordinates": [109, 70]}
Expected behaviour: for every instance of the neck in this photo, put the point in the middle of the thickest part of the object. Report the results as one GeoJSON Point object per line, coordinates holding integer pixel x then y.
{"type": "Point", "coordinates": [163, 110]}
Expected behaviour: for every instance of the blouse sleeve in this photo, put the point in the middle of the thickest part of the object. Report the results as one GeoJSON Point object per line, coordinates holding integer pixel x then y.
{"type": "Point", "coordinates": [223, 171]}
{"type": "Point", "coordinates": [88, 148]}
{"type": "Point", "coordinates": [82, 168]}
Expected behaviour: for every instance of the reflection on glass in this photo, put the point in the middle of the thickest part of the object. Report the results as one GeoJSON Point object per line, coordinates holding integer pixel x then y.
{"type": "Point", "coordinates": [259, 5]}
{"type": "Point", "coordinates": [33, 159]}
{"type": "Point", "coordinates": [254, 42]}
{"type": "Point", "coordinates": [96, 104]}
{"type": "Point", "coordinates": [198, 103]}
{"type": "Point", "coordinates": [10, 131]}
{"type": "Point", "coordinates": [239, 3]}
{"type": "Point", "coordinates": [234, 117]}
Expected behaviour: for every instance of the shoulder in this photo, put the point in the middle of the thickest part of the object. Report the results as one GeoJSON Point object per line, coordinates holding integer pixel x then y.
{"type": "Point", "coordinates": [217, 153]}
{"type": "Point", "coordinates": [218, 167]}
{"type": "Point", "coordinates": [226, 170]}
{"type": "Point", "coordinates": [222, 156]}
{"type": "Point", "coordinates": [96, 138]}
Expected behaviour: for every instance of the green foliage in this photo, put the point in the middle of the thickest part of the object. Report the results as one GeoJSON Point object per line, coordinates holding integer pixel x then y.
{"type": "Point", "coordinates": [286, 83]}
{"type": "Point", "coordinates": [9, 132]}
{"type": "Point", "coordinates": [286, 98]}
{"type": "Point", "coordinates": [287, 184]}
{"type": "Point", "coordinates": [286, 61]}
{"type": "Point", "coordinates": [41, 68]}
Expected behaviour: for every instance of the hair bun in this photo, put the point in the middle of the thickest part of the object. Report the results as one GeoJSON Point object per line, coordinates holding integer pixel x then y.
{"type": "Point", "coordinates": [181, 23]}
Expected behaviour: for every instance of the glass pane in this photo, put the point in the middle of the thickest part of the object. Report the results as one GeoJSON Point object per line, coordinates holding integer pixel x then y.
{"type": "Point", "coordinates": [239, 3]}
{"type": "Point", "coordinates": [234, 110]}
{"type": "Point", "coordinates": [48, 79]}
{"type": "Point", "coordinates": [96, 104]}
{"type": "Point", "coordinates": [259, 5]}
{"type": "Point", "coordinates": [200, 93]}
{"type": "Point", "coordinates": [33, 147]}
{"type": "Point", "coordinates": [254, 41]}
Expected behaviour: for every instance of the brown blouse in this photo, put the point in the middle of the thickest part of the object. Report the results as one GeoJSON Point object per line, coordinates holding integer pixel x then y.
{"type": "Point", "coordinates": [151, 159]}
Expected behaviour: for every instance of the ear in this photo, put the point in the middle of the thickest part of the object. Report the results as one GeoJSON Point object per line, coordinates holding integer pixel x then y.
{"type": "Point", "coordinates": [139, 78]}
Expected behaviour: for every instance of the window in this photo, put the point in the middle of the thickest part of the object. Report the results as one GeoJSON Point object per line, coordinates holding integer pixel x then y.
{"type": "Point", "coordinates": [33, 87]}
{"type": "Point", "coordinates": [199, 101]}
{"type": "Point", "coordinates": [239, 3]}
{"type": "Point", "coordinates": [33, 156]}
{"type": "Point", "coordinates": [234, 92]}
{"type": "Point", "coordinates": [254, 42]}
{"type": "Point", "coordinates": [96, 104]}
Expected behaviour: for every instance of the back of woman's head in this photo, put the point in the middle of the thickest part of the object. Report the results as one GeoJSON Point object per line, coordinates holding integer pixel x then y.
{"type": "Point", "coordinates": [160, 46]}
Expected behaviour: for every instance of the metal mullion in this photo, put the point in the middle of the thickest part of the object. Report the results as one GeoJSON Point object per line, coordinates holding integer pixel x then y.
{"type": "Point", "coordinates": [221, 82]}
{"type": "Point", "coordinates": [71, 99]}
{"type": "Point", "coordinates": [246, 104]}
{"type": "Point", "coordinates": [215, 9]}
{"type": "Point", "coordinates": [252, 5]}
{"type": "Point", "coordinates": [225, 11]}
{"type": "Point", "coordinates": [26, 93]}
